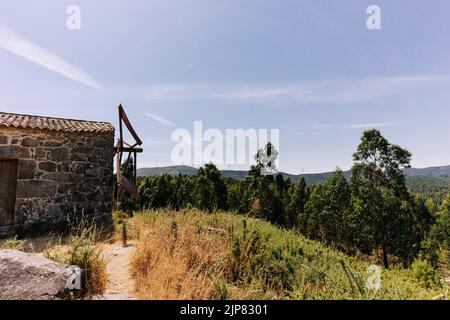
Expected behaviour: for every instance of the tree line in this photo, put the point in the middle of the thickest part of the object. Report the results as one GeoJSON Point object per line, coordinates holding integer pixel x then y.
{"type": "Point", "coordinates": [373, 213]}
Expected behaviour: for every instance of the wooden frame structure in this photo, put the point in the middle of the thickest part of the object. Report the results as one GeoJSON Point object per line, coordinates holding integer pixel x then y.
{"type": "Point", "coordinates": [132, 149]}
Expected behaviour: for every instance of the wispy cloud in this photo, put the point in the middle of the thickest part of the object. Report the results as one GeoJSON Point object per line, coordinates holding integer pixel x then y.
{"type": "Point", "coordinates": [161, 120]}
{"type": "Point", "coordinates": [370, 125]}
{"type": "Point", "coordinates": [315, 92]}
{"type": "Point", "coordinates": [16, 44]}
{"type": "Point", "coordinates": [332, 126]}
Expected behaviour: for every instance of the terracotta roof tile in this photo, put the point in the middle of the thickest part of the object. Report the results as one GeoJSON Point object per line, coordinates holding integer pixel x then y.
{"type": "Point", "coordinates": [24, 121]}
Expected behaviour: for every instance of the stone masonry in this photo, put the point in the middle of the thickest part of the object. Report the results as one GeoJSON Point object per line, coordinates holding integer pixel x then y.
{"type": "Point", "coordinates": [60, 173]}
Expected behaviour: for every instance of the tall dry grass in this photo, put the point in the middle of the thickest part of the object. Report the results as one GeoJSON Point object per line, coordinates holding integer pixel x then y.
{"type": "Point", "coordinates": [82, 248]}
{"type": "Point", "coordinates": [176, 260]}
{"type": "Point", "coordinates": [196, 255]}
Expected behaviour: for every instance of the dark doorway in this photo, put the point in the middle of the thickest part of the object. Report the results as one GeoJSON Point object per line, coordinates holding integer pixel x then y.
{"type": "Point", "coordinates": [8, 185]}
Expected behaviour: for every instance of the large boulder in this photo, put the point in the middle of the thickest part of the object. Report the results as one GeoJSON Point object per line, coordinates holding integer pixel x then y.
{"type": "Point", "coordinates": [26, 276]}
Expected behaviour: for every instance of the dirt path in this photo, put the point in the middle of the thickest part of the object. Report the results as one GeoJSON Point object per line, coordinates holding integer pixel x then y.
{"type": "Point", "coordinates": [120, 285]}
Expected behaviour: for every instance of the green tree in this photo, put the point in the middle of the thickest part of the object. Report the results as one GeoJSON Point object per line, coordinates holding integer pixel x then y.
{"type": "Point", "coordinates": [421, 221]}
{"type": "Point", "coordinates": [220, 189]}
{"type": "Point", "coordinates": [267, 191]}
{"type": "Point", "coordinates": [239, 195]}
{"type": "Point", "coordinates": [212, 190]}
{"type": "Point", "coordinates": [296, 206]}
{"type": "Point", "coordinates": [436, 248]}
{"type": "Point", "coordinates": [180, 196]}
{"type": "Point", "coordinates": [378, 189]}
{"type": "Point", "coordinates": [311, 223]}
{"type": "Point", "coordinates": [206, 199]}
{"type": "Point", "coordinates": [336, 210]}
{"type": "Point", "coordinates": [328, 209]}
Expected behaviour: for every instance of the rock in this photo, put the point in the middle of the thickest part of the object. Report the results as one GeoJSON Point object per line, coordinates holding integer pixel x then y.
{"type": "Point", "coordinates": [52, 144]}
{"type": "Point", "coordinates": [27, 169]}
{"type": "Point", "coordinates": [217, 231]}
{"type": "Point", "coordinates": [26, 276]}
{"type": "Point", "coordinates": [3, 139]}
{"type": "Point", "coordinates": [14, 152]}
{"type": "Point", "coordinates": [48, 166]}
{"type": "Point", "coordinates": [60, 154]}
{"type": "Point", "coordinates": [35, 188]}
{"type": "Point", "coordinates": [30, 142]}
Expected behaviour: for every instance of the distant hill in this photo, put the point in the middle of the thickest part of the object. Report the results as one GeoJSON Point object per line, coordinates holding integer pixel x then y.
{"type": "Point", "coordinates": [441, 172]}
{"type": "Point", "coordinates": [310, 178]}
{"type": "Point", "coordinates": [173, 170]}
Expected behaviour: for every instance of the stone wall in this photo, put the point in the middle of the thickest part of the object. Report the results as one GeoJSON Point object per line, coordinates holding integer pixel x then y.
{"type": "Point", "coordinates": [60, 174]}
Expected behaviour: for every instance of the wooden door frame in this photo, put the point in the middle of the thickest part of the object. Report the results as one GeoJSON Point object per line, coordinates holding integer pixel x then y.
{"type": "Point", "coordinates": [12, 219]}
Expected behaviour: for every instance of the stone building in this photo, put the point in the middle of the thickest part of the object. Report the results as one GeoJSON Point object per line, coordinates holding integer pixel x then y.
{"type": "Point", "coordinates": [53, 169]}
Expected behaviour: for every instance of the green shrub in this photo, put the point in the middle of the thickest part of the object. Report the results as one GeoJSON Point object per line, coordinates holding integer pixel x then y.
{"type": "Point", "coordinates": [220, 291]}
{"type": "Point", "coordinates": [119, 216]}
{"type": "Point", "coordinates": [424, 272]}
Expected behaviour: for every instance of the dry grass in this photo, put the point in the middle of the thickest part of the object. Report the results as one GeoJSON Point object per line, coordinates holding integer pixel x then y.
{"type": "Point", "coordinates": [194, 255]}
{"type": "Point", "coordinates": [32, 245]}
{"type": "Point", "coordinates": [83, 248]}
{"type": "Point", "coordinates": [176, 260]}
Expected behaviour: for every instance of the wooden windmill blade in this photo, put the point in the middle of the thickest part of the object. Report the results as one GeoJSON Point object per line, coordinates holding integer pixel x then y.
{"type": "Point", "coordinates": [129, 186]}
{"type": "Point", "coordinates": [123, 117]}
{"type": "Point", "coordinates": [132, 150]}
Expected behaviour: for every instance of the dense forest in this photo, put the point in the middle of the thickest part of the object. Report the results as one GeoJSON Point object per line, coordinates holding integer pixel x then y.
{"type": "Point", "coordinates": [371, 213]}
{"type": "Point", "coordinates": [429, 187]}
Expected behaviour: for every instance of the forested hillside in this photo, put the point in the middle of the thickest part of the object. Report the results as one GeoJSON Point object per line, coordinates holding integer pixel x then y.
{"type": "Point", "coordinates": [310, 178]}
{"type": "Point", "coordinates": [429, 182]}
{"type": "Point", "coordinates": [370, 213]}
{"type": "Point", "coordinates": [434, 187]}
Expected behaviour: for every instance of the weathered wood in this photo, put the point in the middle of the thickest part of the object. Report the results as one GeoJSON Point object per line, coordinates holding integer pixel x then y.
{"type": "Point", "coordinates": [132, 150]}
{"type": "Point", "coordinates": [135, 167]}
{"type": "Point", "coordinates": [8, 186]}
{"type": "Point", "coordinates": [123, 116]}
{"type": "Point", "coordinates": [124, 149]}
{"type": "Point", "coordinates": [128, 185]}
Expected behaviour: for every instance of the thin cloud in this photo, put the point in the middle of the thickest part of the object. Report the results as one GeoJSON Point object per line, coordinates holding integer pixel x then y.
{"type": "Point", "coordinates": [19, 46]}
{"type": "Point", "coordinates": [161, 120]}
{"type": "Point", "coordinates": [317, 92]}
{"type": "Point", "coordinates": [350, 126]}
{"type": "Point", "coordinates": [370, 125]}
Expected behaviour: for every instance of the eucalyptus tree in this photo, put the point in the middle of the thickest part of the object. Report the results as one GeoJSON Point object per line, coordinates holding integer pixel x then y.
{"type": "Point", "coordinates": [378, 186]}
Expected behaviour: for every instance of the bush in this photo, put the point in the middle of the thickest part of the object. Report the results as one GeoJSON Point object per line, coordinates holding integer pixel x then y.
{"type": "Point", "coordinates": [425, 273]}
{"type": "Point", "coordinates": [119, 216]}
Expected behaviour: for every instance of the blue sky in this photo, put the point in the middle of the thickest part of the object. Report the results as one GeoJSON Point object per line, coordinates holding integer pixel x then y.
{"type": "Point", "coordinates": [309, 68]}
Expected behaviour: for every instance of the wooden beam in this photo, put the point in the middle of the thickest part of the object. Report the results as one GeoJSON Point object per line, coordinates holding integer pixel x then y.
{"type": "Point", "coordinates": [138, 150]}
{"type": "Point", "coordinates": [135, 167]}
{"type": "Point", "coordinates": [120, 134]}
{"type": "Point", "coordinates": [123, 116]}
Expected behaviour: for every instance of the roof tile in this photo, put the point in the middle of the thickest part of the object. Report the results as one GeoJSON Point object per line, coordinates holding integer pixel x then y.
{"type": "Point", "coordinates": [12, 120]}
